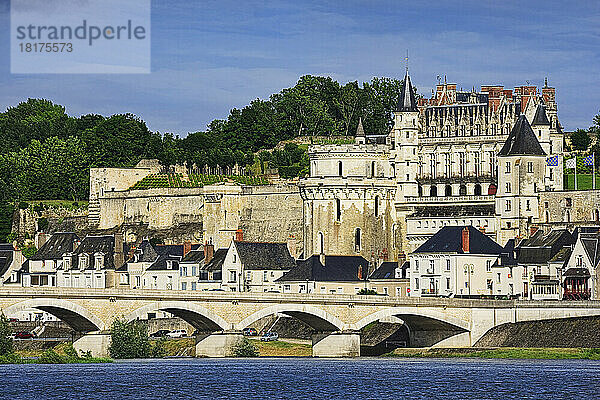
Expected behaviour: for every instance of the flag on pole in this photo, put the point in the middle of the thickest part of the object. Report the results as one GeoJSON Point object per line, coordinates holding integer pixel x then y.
{"type": "Point", "coordinates": [588, 160]}
{"type": "Point", "coordinates": [591, 160]}
{"type": "Point", "coordinates": [552, 161]}
{"type": "Point", "coordinates": [571, 163]}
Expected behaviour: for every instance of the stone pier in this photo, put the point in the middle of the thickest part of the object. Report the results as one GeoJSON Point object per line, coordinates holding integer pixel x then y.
{"type": "Point", "coordinates": [336, 344]}
{"type": "Point", "coordinates": [218, 344]}
{"type": "Point", "coordinates": [97, 343]}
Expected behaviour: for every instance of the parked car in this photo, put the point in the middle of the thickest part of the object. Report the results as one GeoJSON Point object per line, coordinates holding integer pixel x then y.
{"type": "Point", "coordinates": [24, 335]}
{"type": "Point", "coordinates": [177, 333]}
{"type": "Point", "coordinates": [160, 333]}
{"type": "Point", "coordinates": [250, 332]}
{"type": "Point", "coordinates": [269, 337]}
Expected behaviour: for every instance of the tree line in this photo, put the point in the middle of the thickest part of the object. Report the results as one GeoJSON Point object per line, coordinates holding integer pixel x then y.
{"type": "Point", "coordinates": [46, 154]}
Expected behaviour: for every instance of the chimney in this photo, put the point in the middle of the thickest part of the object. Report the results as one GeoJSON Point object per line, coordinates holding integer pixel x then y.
{"type": "Point", "coordinates": [465, 240]}
{"type": "Point", "coordinates": [533, 230]}
{"type": "Point", "coordinates": [118, 256]}
{"type": "Point", "coordinates": [187, 247]}
{"type": "Point", "coordinates": [209, 251]}
{"type": "Point", "coordinates": [239, 235]}
{"type": "Point", "coordinates": [291, 245]}
{"type": "Point", "coordinates": [40, 239]}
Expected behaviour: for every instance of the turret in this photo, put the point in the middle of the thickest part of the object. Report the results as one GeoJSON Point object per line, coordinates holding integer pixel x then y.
{"type": "Point", "coordinates": [406, 119]}
{"type": "Point", "coordinates": [521, 170]}
{"type": "Point", "coordinates": [360, 138]}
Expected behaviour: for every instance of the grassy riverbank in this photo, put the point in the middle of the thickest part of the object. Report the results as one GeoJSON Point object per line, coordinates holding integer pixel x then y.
{"type": "Point", "coordinates": [281, 348]}
{"type": "Point", "coordinates": [60, 354]}
{"type": "Point", "coordinates": [507, 353]}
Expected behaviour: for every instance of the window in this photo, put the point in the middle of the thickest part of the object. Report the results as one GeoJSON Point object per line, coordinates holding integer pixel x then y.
{"type": "Point", "coordinates": [357, 240]}
{"type": "Point", "coordinates": [431, 266]}
{"type": "Point", "coordinates": [338, 209]}
{"type": "Point", "coordinates": [321, 243]}
{"type": "Point", "coordinates": [194, 270]}
{"type": "Point", "coordinates": [416, 283]}
{"type": "Point", "coordinates": [232, 276]}
{"type": "Point", "coordinates": [83, 261]}
{"type": "Point", "coordinates": [183, 285]}
{"type": "Point", "coordinates": [508, 205]}
{"type": "Point", "coordinates": [488, 284]}
{"type": "Point", "coordinates": [530, 167]}
{"type": "Point", "coordinates": [287, 288]}
{"type": "Point", "coordinates": [568, 202]}
{"type": "Point", "coordinates": [67, 263]}
{"type": "Point", "coordinates": [234, 258]}
{"type": "Point", "coordinates": [373, 169]}
{"type": "Point", "coordinates": [138, 281]}
{"type": "Point", "coordinates": [508, 187]}
{"type": "Point", "coordinates": [182, 271]}
{"type": "Point", "coordinates": [416, 265]}
{"type": "Point", "coordinates": [339, 168]}
{"type": "Point", "coordinates": [507, 170]}
{"type": "Point", "coordinates": [528, 205]}
{"type": "Point", "coordinates": [488, 265]}
{"type": "Point", "coordinates": [265, 276]}
{"type": "Point", "coordinates": [498, 277]}
{"type": "Point", "coordinates": [248, 275]}
{"type": "Point", "coordinates": [193, 285]}
{"type": "Point", "coordinates": [376, 206]}
{"type": "Point", "coordinates": [447, 283]}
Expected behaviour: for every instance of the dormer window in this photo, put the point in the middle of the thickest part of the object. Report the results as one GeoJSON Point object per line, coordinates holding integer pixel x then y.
{"type": "Point", "coordinates": [99, 261]}
{"type": "Point", "coordinates": [83, 261]}
{"type": "Point", "coordinates": [67, 263]}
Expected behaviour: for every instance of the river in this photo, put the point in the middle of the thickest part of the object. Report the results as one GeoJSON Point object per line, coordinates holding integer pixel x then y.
{"type": "Point", "coordinates": [296, 378]}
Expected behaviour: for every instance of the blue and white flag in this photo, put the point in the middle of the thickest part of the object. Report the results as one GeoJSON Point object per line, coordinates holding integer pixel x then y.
{"type": "Point", "coordinates": [552, 161]}
{"type": "Point", "coordinates": [588, 160]}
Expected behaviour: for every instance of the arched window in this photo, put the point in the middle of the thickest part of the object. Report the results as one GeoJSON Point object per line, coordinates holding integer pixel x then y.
{"type": "Point", "coordinates": [357, 240]}
{"type": "Point", "coordinates": [376, 206]}
{"type": "Point", "coordinates": [477, 191]}
{"type": "Point", "coordinates": [568, 216]}
{"type": "Point", "coordinates": [321, 243]}
{"type": "Point", "coordinates": [433, 191]}
{"type": "Point", "coordinates": [448, 191]}
{"type": "Point", "coordinates": [373, 172]}
{"type": "Point", "coordinates": [338, 209]}
{"type": "Point", "coordinates": [339, 168]}
{"type": "Point", "coordinates": [462, 191]}
{"type": "Point", "coordinates": [597, 215]}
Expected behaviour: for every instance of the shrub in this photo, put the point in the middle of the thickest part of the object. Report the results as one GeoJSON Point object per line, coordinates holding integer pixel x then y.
{"type": "Point", "coordinates": [51, 357]}
{"type": "Point", "coordinates": [158, 348]}
{"type": "Point", "coordinates": [42, 224]}
{"type": "Point", "coordinates": [6, 342]}
{"type": "Point", "coordinates": [129, 340]}
{"type": "Point", "coordinates": [29, 251]}
{"type": "Point", "coordinates": [245, 348]}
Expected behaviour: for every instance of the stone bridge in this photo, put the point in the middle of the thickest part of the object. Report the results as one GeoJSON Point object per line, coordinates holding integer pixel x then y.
{"type": "Point", "coordinates": [337, 319]}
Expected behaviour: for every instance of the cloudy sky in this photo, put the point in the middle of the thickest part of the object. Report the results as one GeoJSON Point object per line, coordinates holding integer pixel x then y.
{"type": "Point", "coordinates": [211, 56]}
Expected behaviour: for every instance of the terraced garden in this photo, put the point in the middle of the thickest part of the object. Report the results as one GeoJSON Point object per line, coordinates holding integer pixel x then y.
{"type": "Point", "coordinates": [194, 181]}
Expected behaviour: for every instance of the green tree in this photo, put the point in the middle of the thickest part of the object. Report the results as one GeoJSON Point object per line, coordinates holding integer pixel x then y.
{"type": "Point", "coordinates": [580, 140]}
{"type": "Point", "coordinates": [245, 348]}
{"type": "Point", "coordinates": [129, 340]}
{"type": "Point", "coordinates": [6, 342]}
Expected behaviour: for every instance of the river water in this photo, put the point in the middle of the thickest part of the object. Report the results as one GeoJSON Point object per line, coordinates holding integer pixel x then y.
{"type": "Point", "coordinates": [297, 378]}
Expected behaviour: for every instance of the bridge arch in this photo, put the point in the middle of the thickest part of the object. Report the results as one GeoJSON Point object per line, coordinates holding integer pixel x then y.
{"type": "Point", "coordinates": [199, 317]}
{"type": "Point", "coordinates": [315, 317]}
{"type": "Point", "coordinates": [74, 315]}
{"type": "Point", "coordinates": [405, 313]}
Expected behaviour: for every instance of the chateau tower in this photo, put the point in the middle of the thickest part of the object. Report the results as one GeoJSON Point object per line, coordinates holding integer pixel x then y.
{"type": "Point", "coordinates": [406, 140]}
{"type": "Point", "coordinates": [521, 171]}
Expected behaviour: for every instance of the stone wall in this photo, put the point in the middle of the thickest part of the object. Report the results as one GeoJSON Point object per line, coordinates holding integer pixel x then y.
{"type": "Point", "coordinates": [569, 207]}
{"type": "Point", "coordinates": [566, 332]}
{"type": "Point", "coordinates": [60, 219]}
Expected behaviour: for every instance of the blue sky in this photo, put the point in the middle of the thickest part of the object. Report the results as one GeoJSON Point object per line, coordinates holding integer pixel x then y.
{"type": "Point", "coordinates": [211, 56]}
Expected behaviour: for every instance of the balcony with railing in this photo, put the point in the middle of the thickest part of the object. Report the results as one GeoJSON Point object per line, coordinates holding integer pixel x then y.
{"type": "Point", "coordinates": [450, 199]}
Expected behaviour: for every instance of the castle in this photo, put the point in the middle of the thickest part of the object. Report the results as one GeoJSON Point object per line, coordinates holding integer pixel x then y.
{"type": "Point", "coordinates": [490, 159]}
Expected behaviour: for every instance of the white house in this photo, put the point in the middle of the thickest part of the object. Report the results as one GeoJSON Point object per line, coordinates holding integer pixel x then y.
{"type": "Point", "coordinates": [581, 272]}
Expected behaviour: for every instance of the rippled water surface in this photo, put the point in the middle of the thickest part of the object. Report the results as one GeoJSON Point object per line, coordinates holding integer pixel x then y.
{"type": "Point", "coordinates": [306, 379]}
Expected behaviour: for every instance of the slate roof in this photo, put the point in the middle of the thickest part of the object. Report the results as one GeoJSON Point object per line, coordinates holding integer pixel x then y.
{"type": "Point", "coordinates": [259, 255]}
{"type": "Point", "coordinates": [216, 262]}
{"type": "Point", "coordinates": [540, 117]}
{"type": "Point", "coordinates": [542, 247]}
{"type": "Point", "coordinates": [193, 256]}
{"type": "Point", "coordinates": [387, 270]}
{"type": "Point", "coordinates": [6, 257]}
{"type": "Point", "coordinates": [591, 244]}
{"type": "Point", "coordinates": [406, 101]}
{"type": "Point", "coordinates": [336, 269]}
{"type": "Point", "coordinates": [91, 245]}
{"type": "Point", "coordinates": [168, 252]}
{"type": "Point", "coordinates": [522, 141]}
{"type": "Point", "coordinates": [449, 240]}
{"type": "Point", "coordinates": [58, 245]}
